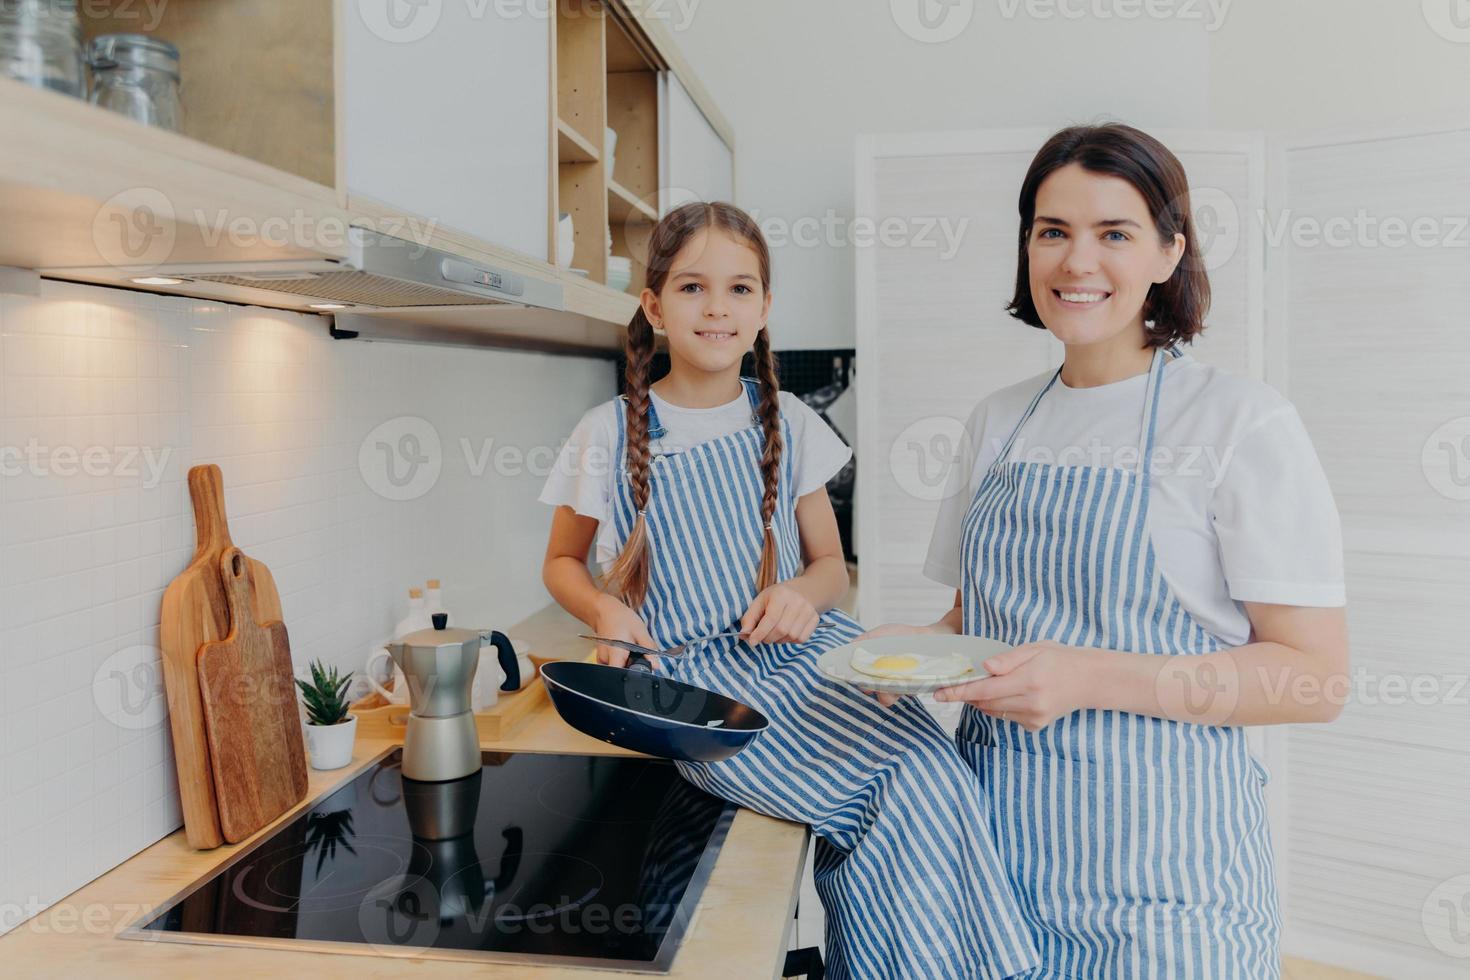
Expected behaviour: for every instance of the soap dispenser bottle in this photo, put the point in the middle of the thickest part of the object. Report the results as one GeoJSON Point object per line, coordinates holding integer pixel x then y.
{"type": "Point", "coordinates": [434, 599]}
{"type": "Point", "coordinates": [417, 618]}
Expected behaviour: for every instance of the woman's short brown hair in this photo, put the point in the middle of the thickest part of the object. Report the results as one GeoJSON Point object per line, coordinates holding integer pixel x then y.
{"type": "Point", "coordinates": [1174, 310]}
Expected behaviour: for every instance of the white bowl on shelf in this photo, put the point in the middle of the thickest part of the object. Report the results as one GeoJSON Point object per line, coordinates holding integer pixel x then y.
{"type": "Point", "coordinates": [566, 240]}
{"type": "Point", "coordinates": [619, 272]}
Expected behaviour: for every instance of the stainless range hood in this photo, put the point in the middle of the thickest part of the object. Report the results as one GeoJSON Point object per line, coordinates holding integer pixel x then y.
{"type": "Point", "coordinates": [379, 272]}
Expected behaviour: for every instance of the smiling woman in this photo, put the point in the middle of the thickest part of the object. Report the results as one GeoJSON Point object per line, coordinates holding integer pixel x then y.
{"type": "Point", "coordinates": [1080, 246]}
{"type": "Point", "coordinates": [1154, 605]}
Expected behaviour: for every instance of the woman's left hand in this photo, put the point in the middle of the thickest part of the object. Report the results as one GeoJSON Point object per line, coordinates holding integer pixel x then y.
{"type": "Point", "coordinates": [779, 614]}
{"type": "Point", "coordinates": [1033, 684]}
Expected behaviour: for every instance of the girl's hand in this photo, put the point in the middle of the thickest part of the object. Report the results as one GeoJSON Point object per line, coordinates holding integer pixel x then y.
{"type": "Point", "coordinates": [780, 614]}
{"type": "Point", "coordinates": [616, 621]}
{"type": "Point", "coordinates": [890, 629]}
{"type": "Point", "coordinates": [1033, 684]}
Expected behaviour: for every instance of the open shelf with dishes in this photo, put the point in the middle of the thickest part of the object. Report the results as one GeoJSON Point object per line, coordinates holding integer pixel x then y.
{"type": "Point", "coordinates": [607, 143]}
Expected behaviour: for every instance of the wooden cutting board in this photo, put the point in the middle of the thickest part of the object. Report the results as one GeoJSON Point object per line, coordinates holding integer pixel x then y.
{"type": "Point", "coordinates": [251, 721]}
{"type": "Point", "coordinates": [195, 613]}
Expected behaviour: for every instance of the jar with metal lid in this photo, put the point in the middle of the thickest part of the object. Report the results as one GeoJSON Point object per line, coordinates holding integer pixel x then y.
{"type": "Point", "coordinates": [137, 76]}
{"type": "Point", "coordinates": [41, 45]}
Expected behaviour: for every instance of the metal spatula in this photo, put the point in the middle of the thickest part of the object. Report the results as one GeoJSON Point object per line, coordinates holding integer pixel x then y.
{"type": "Point", "coordinates": [632, 647]}
{"type": "Point", "coordinates": [674, 651]}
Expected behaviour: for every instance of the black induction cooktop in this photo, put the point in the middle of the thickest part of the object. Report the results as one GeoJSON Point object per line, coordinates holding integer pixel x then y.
{"type": "Point", "coordinates": [557, 860]}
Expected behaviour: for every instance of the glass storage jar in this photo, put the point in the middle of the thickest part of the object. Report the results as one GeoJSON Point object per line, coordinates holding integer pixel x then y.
{"type": "Point", "coordinates": [41, 45]}
{"type": "Point", "coordinates": [137, 76]}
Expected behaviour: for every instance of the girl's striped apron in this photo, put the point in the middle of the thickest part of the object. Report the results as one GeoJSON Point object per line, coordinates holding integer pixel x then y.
{"type": "Point", "coordinates": [1138, 846]}
{"type": "Point", "coordinates": [904, 863]}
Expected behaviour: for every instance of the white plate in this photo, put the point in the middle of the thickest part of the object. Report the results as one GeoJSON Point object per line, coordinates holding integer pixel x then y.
{"type": "Point", "coordinates": [837, 662]}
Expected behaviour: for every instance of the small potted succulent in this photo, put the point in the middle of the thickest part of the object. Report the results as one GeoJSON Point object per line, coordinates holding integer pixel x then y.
{"type": "Point", "coordinates": [330, 729]}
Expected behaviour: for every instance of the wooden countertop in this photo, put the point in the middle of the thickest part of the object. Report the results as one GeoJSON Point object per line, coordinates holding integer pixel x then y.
{"type": "Point", "coordinates": [740, 928]}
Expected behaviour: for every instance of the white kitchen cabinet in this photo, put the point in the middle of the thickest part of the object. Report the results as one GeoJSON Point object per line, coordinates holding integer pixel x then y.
{"type": "Point", "coordinates": [695, 162]}
{"type": "Point", "coordinates": [452, 125]}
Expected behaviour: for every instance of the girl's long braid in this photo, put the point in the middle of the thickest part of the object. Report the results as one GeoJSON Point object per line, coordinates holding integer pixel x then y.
{"type": "Point", "coordinates": [770, 416]}
{"type": "Point", "coordinates": [628, 576]}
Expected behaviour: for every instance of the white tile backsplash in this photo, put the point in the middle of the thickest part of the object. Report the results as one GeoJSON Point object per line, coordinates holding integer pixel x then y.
{"type": "Point", "coordinates": [107, 397]}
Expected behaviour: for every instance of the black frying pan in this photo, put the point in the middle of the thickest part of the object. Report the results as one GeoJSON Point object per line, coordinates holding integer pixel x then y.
{"type": "Point", "coordinates": [633, 708]}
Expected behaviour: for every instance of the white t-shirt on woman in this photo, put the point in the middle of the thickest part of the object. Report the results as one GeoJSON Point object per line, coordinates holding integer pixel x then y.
{"type": "Point", "coordinates": [1240, 509]}
{"type": "Point", "coordinates": [586, 473]}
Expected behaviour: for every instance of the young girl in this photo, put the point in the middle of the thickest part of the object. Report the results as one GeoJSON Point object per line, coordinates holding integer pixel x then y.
{"type": "Point", "coordinates": [705, 498]}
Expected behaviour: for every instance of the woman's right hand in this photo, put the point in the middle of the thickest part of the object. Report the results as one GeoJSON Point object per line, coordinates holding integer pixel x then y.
{"type": "Point", "coordinates": [891, 629]}
{"type": "Point", "coordinates": [616, 621]}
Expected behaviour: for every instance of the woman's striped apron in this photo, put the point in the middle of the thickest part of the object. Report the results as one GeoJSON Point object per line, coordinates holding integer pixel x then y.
{"type": "Point", "coordinates": [904, 863]}
{"type": "Point", "coordinates": [1138, 846]}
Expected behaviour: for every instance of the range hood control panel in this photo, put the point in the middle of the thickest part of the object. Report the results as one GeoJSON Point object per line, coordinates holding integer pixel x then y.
{"type": "Point", "coordinates": [464, 273]}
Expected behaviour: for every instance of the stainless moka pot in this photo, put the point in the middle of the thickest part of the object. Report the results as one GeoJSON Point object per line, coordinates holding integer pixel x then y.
{"type": "Point", "coordinates": [441, 741]}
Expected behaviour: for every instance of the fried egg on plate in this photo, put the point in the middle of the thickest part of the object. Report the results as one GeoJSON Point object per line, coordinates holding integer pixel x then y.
{"type": "Point", "coordinates": [911, 666]}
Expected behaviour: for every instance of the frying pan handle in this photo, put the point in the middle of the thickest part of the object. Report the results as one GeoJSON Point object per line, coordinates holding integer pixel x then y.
{"type": "Point", "coordinates": [638, 661]}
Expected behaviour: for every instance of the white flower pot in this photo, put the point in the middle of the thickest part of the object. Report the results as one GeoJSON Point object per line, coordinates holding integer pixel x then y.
{"type": "Point", "coordinates": [331, 745]}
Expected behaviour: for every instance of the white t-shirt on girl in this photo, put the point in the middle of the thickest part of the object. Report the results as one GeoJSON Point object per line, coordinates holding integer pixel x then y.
{"type": "Point", "coordinates": [1240, 509]}
{"type": "Point", "coordinates": [586, 472]}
